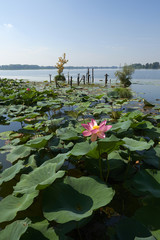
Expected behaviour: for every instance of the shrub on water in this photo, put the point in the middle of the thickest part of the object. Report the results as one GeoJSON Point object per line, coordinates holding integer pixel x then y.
{"type": "Point", "coordinates": [125, 75]}
{"type": "Point", "coordinates": [59, 78]}
{"type": "Point", "coordinates": [124, 92]}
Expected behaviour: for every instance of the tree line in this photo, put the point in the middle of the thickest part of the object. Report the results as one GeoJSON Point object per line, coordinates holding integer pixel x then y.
{"type": "Point", "coordinates": [154, 65]}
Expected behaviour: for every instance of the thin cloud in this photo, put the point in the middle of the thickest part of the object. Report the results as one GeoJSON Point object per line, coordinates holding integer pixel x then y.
{"type": "Point", "coordinates": [8, 25]}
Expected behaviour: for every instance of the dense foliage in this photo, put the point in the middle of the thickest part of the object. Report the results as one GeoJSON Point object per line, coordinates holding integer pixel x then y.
{"type": "Point", "coordinates": [154, 65]}
{"type": "Point", "coordinates": [61, 185]}
{"type": "Point", "coordinates": [125, 75]}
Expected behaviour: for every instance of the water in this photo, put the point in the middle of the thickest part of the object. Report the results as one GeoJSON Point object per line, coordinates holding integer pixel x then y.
{"type": "Point", "coordinates": [146, 83]}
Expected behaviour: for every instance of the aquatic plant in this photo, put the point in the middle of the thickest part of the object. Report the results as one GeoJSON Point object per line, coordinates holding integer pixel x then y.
{"type": "Point", "coordinates": [59, 184]}
{"type": "Point", "coordinates": [125, 75]}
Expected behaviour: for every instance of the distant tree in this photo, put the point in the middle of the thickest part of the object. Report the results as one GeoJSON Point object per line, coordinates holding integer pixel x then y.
{"type": "Point", "coordinates": [60, 64]}
{"type": "Point", "coordinates": [125, 75]}
{"type": "Point", "coordinates": [155, 65]}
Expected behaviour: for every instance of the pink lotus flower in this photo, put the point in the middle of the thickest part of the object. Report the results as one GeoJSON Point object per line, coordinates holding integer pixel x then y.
{"type": "Point", "coordinates": [28, 89]}
{"type": "Point", "coordinates": [93, 130]}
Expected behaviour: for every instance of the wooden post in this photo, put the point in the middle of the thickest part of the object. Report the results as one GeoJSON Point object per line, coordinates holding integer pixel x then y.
{"type": "Point", "coordinates": [83, 77]}
{"type": "Point", "coordinates": [88, 75]}
{"type": "Point", "coordinates": [78, 78]}
{"type": "Point", "coordinates": [106, 78]}
{"type": "Point", "coordinates": [50, 75]}
{"type": "Point", "coordinates": [68, 77]}
{"type": "Point", "coordinates": [92, 75]}
{"type": "Point", "coordinates": [71, 81]}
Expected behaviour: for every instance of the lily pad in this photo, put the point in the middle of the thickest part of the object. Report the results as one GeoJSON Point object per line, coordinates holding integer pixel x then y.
{"type": "Point", "coordinates": [19, 152]}
{"type": "Point", "coordinates": [10, 172]}
{"type": "Point", "coordinates": [10, 205]}
{"type": "Point", "coordinates": [75, 198]}
{"type": "Point", "coordinates": [134, 145]}
{"type": "Point", "coordinates": [15, 230]}
{"type": "Point", "coordinates": [39, 142]}
{"type": "Point", "coordinates": [39, 178]}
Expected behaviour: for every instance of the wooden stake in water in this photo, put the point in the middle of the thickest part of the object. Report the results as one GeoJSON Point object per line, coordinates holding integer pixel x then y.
{"type": "Point", "coordinates": [92, 75]}
{"type": "Point", "coordinates": [78, 79]}
{"type": "Point", "coordinates": [106, 78]}
{"type": "Point", "coordinates": [71, 81]}
{"type": "Point", "coordinates": [50, 76]}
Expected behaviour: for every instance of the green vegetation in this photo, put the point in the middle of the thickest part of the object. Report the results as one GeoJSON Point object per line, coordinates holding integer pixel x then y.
{"type": "Point", "coordinates": [124, 92]}
{"type": "Point", "coordinates": [60, 78]}
{"type": "Point", "coordinates": [125, 75]}
{"type": "Point", "coordinates": [154, 65]}
{"type": "Point", "coordinates": [60, 185]}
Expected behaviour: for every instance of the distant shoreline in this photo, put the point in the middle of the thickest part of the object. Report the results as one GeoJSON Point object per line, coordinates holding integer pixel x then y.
{"type": "Point", "coordinates": [154, 65]}
{"type": "Point", "coordinates": [37, 67]}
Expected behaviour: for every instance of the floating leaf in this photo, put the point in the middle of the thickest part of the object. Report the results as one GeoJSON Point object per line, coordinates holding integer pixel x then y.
{"type": "Point", "coordinates": [59, 160]}
{"type": "Point", "coordinates": [43, 227]}
{"type": "Point", "coordinates": [134, 145]}
{"type": "Point", "coordinates": [39, 178]}
{"type": "Point", "coordinates": [10, 172]}
{"type": "Point", "coordinates": [10, 205]}
{"type": "Point", "coordinates": [19, 152]}
{"type": "Point", "coordinates": [15, 230]}
{"type": "Point", "coordinates": [39, 142]}
{"type": "Point", "coordinates": [144, 183]}
{"type": "Point", "coordinates": [129, 229]}
{"type": "Point", "coordinates": [149, 216]}
{"type": "Point", "coordinates": [75, 198]}
{"type": "Point", "coordinates": [80, 149]}
{"type": "Point", "coordinates": [67, 134]}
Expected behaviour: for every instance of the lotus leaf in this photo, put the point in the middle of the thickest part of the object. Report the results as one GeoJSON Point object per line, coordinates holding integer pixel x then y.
{"type": "Point", "coordinates": [39, 142]}
{"type": "Point", "coordinates": [134, 145]}
{"type": "Point", "coordinates": [39, 178]}
{"type": "Point", "coordinates": [67, 134]}
{"type": "Point", "coordinates": [144, 183]}
{"type": "Point", "coordinates": [19, 152]}
{"type": "Point", "coordinates": [10, 172]}
{"type": "Point", "coordinates": [14, 230]}
{"type": "Point", "coordinates": [81, 149]}
{"type": "Point", "coordinates": [75, 198]}
{"type": "Point", "coordinates": [129, 229]}
{"type": "Point", "coordinates": [10, 205]}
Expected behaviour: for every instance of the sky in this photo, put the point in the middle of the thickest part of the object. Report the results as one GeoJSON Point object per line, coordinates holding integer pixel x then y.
{"type": "Point", "coordinates": [90, 32]}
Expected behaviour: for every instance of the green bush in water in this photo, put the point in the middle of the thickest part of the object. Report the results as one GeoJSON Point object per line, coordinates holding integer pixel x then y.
{"type": "Point", "coordinates": [124, 92]}
{"type": "Point", "coordinates": [59, 78]}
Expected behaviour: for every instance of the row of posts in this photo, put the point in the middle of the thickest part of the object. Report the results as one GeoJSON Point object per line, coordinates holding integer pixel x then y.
{"type": "Point", "coordinates": [84, 78]}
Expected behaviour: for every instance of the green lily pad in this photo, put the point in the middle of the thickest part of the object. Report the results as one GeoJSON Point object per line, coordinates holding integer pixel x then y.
{"type": "Point", "coordinates": [129, 229]}
{"type": "Point", "coordinates": [19, 152]}
{"type": "Point", "coordinates": [39, 142]}
{"type": "Point", "coordinates": [10, 205]}
{"type": "Point", "coordinates": [107, 145]}
{"type": "Point", "coordinates": [80, 149]}
{"type": "Point", "coordinates": [134, 145]}
{"type": "Point", "coordinates": [144, 183]}
{"type": "Point", "coordinates": [59, 160]}
{"type": "Point", "coordinates": [149, 216]}
{"type": "Point", "coordinates": [39, 178]}
{"type": "Point", "coordinates": [15, 230]}
{"type": "Point", "coordinates": [67, 134]}
{"type": "Point", "coordinates": [10, 172]}
{"type": "Point", "coordinates": [75, 198]}
{"type": "Point", "coordinates": [44, 228]}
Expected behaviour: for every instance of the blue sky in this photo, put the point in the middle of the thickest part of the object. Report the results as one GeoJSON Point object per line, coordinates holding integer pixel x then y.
{"type": "Point", "coordinates": [90, 32]}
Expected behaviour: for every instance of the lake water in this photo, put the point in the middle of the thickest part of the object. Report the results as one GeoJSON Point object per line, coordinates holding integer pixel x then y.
{"type": "Point", "coordinates": [146, 83]}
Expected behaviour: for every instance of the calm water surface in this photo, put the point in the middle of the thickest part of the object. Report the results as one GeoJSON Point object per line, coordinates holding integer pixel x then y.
{"type": "Point", "coordinates": [146, 83]}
